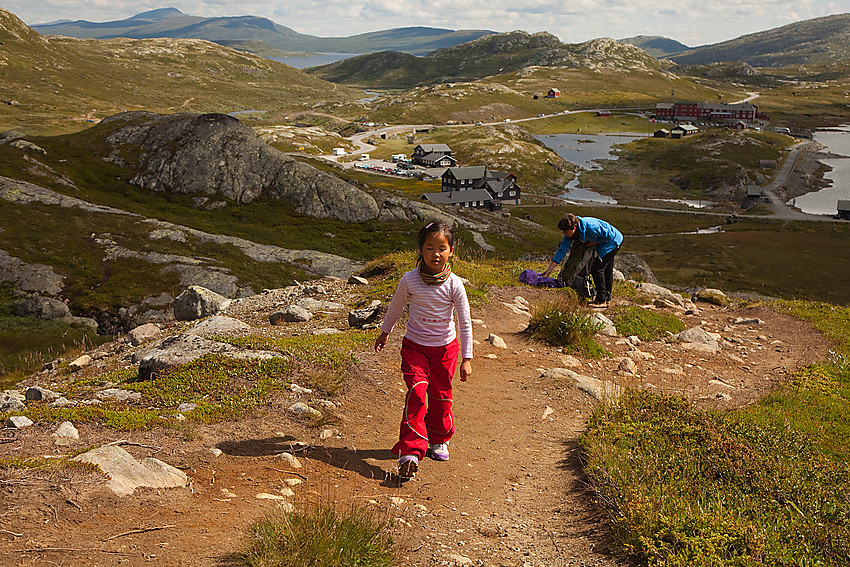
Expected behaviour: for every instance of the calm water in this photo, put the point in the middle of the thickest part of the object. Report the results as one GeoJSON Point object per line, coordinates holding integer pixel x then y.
{"type": "Point", "coordinates": [825, 201]}
{"type": "Point", "coordinates": [313, 59]}
{"type": "Point", "coordinates": [585, 150]}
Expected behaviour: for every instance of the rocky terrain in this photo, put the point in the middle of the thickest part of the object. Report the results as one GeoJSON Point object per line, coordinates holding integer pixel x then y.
{"type": "Point", "coordinates": [512, 494]}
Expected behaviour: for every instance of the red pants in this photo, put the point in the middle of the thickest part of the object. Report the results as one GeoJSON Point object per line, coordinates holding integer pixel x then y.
{"type": "Point", "coordinates": [428, 372]}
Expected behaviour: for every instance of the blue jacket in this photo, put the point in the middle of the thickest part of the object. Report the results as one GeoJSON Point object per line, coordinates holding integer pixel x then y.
{"type": "Point", "coordinates": [606, 237]}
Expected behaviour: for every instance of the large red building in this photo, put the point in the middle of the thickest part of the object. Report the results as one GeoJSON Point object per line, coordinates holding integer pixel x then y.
{"type": "Point", "coordinates": [704, 111]}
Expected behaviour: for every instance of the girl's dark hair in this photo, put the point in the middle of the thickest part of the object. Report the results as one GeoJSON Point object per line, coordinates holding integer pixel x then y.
{"type": "Point", "coordinates": [569, 221]}
{"type": "Point", "coordinates": [434, 228]}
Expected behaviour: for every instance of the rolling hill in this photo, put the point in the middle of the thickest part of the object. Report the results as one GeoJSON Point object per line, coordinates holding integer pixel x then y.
{"type": "Point", "coordinates": [815, 41]}
{"type": "Point", "coordinates": [170, 22]}
{"type": "Point", "coordinates": [52, 83]}
{"type": "Point", "coordinates": [486, 56]}
{"type": "Point", "coordinates": [655, 45]}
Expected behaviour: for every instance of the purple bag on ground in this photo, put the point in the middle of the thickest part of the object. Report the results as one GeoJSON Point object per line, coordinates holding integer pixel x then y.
{"type": "Point", "coordinates": [531, 277]}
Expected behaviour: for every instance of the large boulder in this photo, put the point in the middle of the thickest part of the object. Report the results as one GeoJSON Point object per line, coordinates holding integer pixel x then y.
{"type": "Point", "coordinates": [42, 307]}
{"type": "Point", "coordinates": [633, 267]}
{"type": "Point", "coordinates": [197, 302]}
{"type": "Point", "coordinates": [36, 278]}
{"type": "Point", "coordinates": [215, 154]}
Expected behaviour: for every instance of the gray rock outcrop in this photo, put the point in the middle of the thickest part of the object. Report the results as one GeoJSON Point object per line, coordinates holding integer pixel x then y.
{"type": "Point", "coordinates": [36, 278]}
{"type": "Point", "coordinates": [174, 351]}
{"type": "Point", "coordinates": [209, 154]}
{"type": "Point", "coordinates": [197, 302]}
{"type": "Point", "coordinates": [42, 307]}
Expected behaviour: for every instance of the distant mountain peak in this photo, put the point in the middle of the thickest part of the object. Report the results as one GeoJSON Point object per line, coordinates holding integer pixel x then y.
{"type": "Point", "coordinates": [157, 15]}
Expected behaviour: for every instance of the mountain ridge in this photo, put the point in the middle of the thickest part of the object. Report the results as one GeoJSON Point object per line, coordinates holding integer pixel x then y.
{"type": "Point", "coordinates": [171, 22]}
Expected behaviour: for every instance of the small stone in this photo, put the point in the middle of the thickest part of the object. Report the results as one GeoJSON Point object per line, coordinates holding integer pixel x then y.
{"type": "Point", "coordinates": [80, 363]}
{"type": "Point", "coordinates": [628, 365]}
{"type": "Point", "coordinates": [357, 280]}
{"type": "Point", "coordinates": [187, 406]}
{"type": "Point", "coordinates": [144, 333]}
{"type": "Point", "coordinates": [290, 460]}
{"type": "Point", "coordinates": [326, 434]}
{"type": "Point", "coordinates": [293, 481]}
{"type": "Point", "coordinates": [496, 341]}
{"type": "Point", "coordinates": [286, 491]}
{"type": "Point", "coordinates": [216, 452]}
{"type": "Point", "coordinates": [302, 409]}
{"type": "Point", "coordinates": [491, 355]}
{"type": "Point", "coordinates": [747, 321]}
{"type": "Point", "coordinates": [267, 496]}
{"type": "Point", "coordinates": [299, 390]}
{"type": "Point", "coordinates": [37, 393]}
{"type": "Point", "coordinates": [67, 430]}
{"type": "Point", "coordinates": [396, 501]}
{"type": "Point", "coordinates": [18, 422]}
{"type": "Point", "coordinates": [292, 314]}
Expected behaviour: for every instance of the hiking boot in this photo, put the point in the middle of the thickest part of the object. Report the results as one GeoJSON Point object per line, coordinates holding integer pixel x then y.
{"type": "Point", "coordinates": [439, 451]}
{"type": "Point", "coordinates": [407, 466]}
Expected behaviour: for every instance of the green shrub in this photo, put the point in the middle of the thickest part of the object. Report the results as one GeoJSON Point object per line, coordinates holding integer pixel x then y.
{"type": "Point", "coordinates": [689, 487]}
{"type": "Point", "coordinates": [323, 536]}
{"type": "Point", "coordinates": [646, 324]}
{"type": "Point", "coordinates": [762, 485]}
{"type": "Point", "coordinates": [565, 323]}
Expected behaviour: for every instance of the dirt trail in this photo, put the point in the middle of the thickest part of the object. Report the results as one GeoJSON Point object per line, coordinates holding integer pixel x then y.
{"type": "Point", "coordinates": [512, 494]}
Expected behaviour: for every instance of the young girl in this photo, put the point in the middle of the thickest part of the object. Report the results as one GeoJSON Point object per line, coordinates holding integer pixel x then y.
{"type": "Point", "coordinates": [429, 349]}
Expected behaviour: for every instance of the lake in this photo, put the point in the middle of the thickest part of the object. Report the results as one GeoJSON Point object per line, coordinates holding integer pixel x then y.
{"type": "Point", "coordinates": [304, 60]}
{"type": "Point", "coordinates": [585, 150]}
{"type": "Point", "coordinates": [825, 201]}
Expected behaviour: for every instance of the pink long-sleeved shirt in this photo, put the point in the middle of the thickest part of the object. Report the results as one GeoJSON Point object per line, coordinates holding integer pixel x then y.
{"type": "Point", "coordinates": [432, 308]}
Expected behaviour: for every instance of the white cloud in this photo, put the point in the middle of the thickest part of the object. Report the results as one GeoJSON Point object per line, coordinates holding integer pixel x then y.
{"type": "Point", "coordinates": [693, 22]}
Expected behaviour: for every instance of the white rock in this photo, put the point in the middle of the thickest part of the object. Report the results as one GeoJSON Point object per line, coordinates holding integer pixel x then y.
{"type": "Point", "coordinates": [496, 341]}
{"type": "Point", "coordinates": [126, 474]}
{"type": "Point", "coordinates": [299, 390]}
{"type": "Point", "coordinates": [290, 460]}
{"type": "Point", "coordinates": [302, 409]}
{"type": "Point", "coordinates": [596, 388]}
{"type": "Point", "coordinates": [547, 412]}
{"type": "Point", "coordinates": [66, 430]}
{"type": "Point", "coordinates": [18, 422]}
{"type": "Point", "coordinates": [80, 363]}
{"type": "Point", "coordinates": [267, 496]}
{"type": "Point", "coordinates": [216, 452]}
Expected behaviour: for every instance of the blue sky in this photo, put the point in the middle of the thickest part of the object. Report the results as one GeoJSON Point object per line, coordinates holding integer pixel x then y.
{"type": "Point", "coordinates": [692, 22]}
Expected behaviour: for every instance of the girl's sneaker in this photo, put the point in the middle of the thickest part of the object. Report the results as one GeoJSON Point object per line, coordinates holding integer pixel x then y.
{"type": "Point", "coordinates": [407, 466]}
{"type": "Point", "coordinates": [439, 451]}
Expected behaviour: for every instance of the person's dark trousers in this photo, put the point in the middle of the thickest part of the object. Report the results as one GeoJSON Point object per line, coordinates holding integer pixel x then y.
{"type": "Point", "coordinates": [602, 271]}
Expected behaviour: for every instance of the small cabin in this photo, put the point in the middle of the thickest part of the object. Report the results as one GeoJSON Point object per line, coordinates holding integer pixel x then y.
{"type": "Point", "coordinates": [844, 209]}
{"type": "Point", "coordinates": [553, 93]}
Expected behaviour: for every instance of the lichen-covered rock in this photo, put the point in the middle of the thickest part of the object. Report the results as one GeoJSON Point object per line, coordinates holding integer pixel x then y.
{"type": "Point", "coordinates": [42, 307]}
{"type": "Point", "coordinates": [197, 302]}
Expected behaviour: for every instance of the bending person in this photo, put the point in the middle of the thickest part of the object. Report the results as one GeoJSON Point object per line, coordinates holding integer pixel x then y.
{"type": "Point", "coordinates": [602, 236]}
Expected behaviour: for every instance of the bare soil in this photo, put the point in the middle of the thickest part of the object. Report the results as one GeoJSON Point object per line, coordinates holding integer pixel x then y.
{"type": "Point", "coordinates": [512, 494]}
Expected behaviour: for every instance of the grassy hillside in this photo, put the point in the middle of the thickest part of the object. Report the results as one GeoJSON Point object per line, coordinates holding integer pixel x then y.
{"type": "Point", "coordinates": [815, 41]}
{"type": "Point", "coordinates": [58, 84]}
{"type": "Point", "coordinates": [490, 55]}
{"type": "Point", "coordinates": [715, 164]}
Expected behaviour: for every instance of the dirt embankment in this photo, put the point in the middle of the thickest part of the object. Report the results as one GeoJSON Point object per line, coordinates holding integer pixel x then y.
{"type": "Point", "coordinates": [512, 493]}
